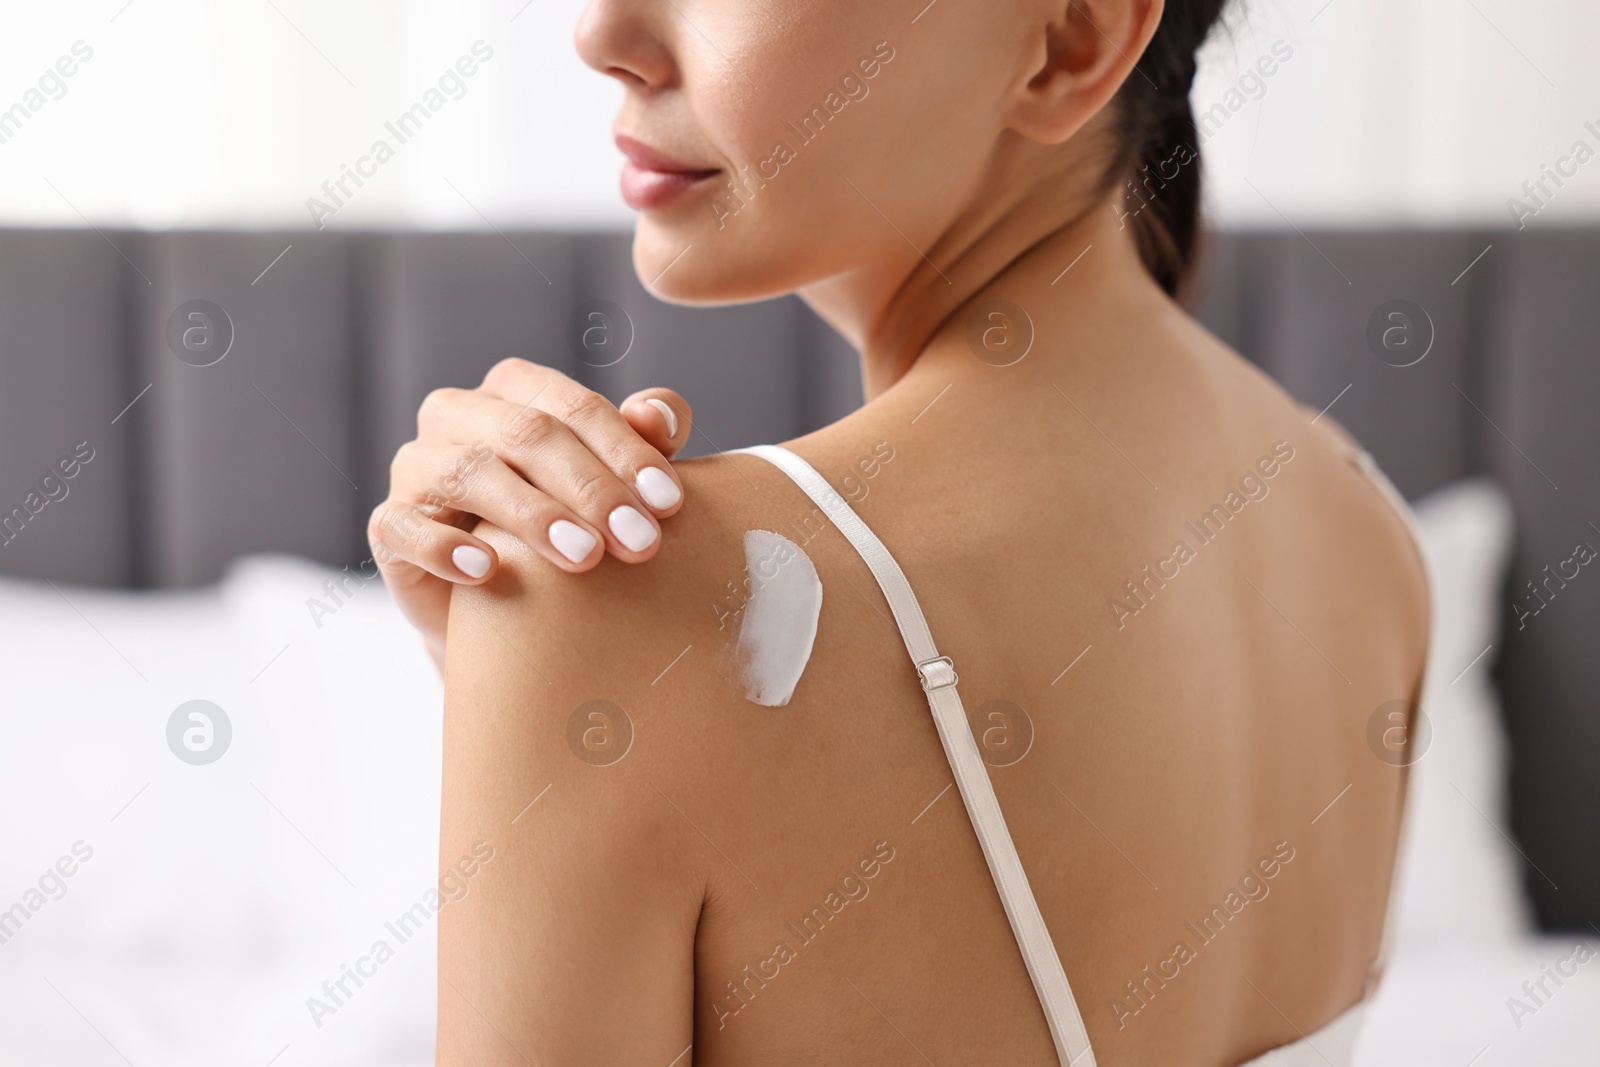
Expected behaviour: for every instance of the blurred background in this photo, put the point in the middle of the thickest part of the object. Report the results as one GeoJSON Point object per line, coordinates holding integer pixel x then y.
{"type": "Point", "coordinates": [196, 114]}
{"type": "Point", "coordinates": [1435, 160]}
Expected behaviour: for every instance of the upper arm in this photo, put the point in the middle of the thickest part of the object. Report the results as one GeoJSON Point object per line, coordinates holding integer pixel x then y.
{"type": "Point", "coordinates": [575, 942]}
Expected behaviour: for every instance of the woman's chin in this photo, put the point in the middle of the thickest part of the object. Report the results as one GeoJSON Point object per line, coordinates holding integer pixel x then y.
{"type": "Point", "coordinates": [698, 266]}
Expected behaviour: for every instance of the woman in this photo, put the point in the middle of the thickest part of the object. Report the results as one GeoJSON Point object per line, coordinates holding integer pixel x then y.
{"type": "Point", "coordinates": [720, 814]}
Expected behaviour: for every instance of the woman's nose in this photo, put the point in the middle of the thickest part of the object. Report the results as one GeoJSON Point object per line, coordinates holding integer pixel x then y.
{"type": "Point", "coordinates": [627, 39]}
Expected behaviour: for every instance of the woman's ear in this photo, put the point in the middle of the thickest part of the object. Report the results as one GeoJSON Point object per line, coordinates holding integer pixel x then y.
{"type": "Point", "coordinates": [1081, 52]}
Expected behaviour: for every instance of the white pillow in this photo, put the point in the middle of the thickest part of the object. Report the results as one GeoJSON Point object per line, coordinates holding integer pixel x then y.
{"type": "Point", "coordinates": [1459, 875]}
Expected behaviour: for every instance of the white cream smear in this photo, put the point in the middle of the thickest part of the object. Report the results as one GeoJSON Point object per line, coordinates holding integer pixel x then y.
{"type": "Point", "coordinates": [779, 622]}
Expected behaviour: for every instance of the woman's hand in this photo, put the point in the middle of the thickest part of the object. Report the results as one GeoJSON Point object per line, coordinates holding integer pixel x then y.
{"type": "Point", "coordinates": [538, 455]}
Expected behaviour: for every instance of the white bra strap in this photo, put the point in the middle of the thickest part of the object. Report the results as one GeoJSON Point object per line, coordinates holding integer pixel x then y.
{"type": "Point", "coordinates": [938, 678]}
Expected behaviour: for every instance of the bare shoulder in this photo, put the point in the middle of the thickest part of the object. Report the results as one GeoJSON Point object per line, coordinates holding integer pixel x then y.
{"type": "Point", "coordinates": [617, 627]}
{"type": "Point", "coordinates": [623, 669]}
{"type": "Point", "coordinates": [1346, 519]}
{"type": "Point", "coordinates": [555, 641]}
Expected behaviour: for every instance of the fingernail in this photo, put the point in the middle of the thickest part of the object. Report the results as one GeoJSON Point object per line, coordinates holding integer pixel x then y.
{"type": "Point", "coordinates": [657, 488]}
{"type": "Point", "coordinates": [632, 528]}
{"type": "Point", "coordinates": [571, 540]}
{"type": "Point", "coordinates": [470, 560]}
{"type": "Point", "coordinates": [666, 413]}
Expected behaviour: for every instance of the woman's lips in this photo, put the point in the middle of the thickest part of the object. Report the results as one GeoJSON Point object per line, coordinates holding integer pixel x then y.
{"type": "Point", "coordinates": [644, 189]}
{"type": "Point", "coordinates": [652, 179]}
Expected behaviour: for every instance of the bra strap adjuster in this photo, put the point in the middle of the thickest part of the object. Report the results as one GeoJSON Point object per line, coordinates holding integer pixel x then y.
{"type": "Point", "coordinates": [937, 673]}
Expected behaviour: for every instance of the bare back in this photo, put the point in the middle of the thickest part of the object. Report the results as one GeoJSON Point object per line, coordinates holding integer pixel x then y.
{"type": "Point", "coordinates": [1174, 609]}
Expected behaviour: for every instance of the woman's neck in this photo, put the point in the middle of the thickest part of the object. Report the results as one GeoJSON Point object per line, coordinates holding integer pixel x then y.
{"type": "Point", "coordinates": [1019, 236]}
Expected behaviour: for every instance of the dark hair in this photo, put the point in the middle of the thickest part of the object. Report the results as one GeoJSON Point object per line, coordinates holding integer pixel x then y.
{"type": "Point", "coordinates": [1159, 158]}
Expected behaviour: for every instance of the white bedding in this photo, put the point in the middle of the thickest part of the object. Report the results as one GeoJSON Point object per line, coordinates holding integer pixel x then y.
{"type": "Point", "coordinates": [204, 919]}
{"type": "Point", "coordinates": [219, 898]}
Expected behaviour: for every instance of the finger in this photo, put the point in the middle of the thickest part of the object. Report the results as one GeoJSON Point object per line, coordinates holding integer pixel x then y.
{"type": "Point", "coordinates": [661, 417]}
{"type": "Point", "coordinates": [521, 381]}
{"type": "Point", "coordinates": [547, 452]}
{"type": "Point", "coordinates": [575, 506]}
{"type": "Point", "coordinates": [498, 493]}
{"type": "Point", "coordinates": [600, 427]}
{"type": "Point", "coordinates": [409, 546]}
{"type": "Point", "coordinates": [594, 440]}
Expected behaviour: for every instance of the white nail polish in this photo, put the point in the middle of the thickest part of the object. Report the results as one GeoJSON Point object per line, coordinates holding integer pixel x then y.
{"type": "Point", "coordinates": [657, 488]}
{"type": "Point", "coordinates": [666, 413]}
{"type": "Point", "coordinates": [470, 560]}
{"type": "Point", "coordinates": [632, 529]}
{"type": "Point", "coordinates": [571, 540]}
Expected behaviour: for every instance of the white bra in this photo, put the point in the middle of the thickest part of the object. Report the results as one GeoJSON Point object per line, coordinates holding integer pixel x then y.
{"type": "Point", "coordinates": [1333, 1044]}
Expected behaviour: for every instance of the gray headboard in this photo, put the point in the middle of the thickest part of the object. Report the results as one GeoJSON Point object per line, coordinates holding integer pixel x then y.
{"type": "Point", "coordinates": [284, 443]}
